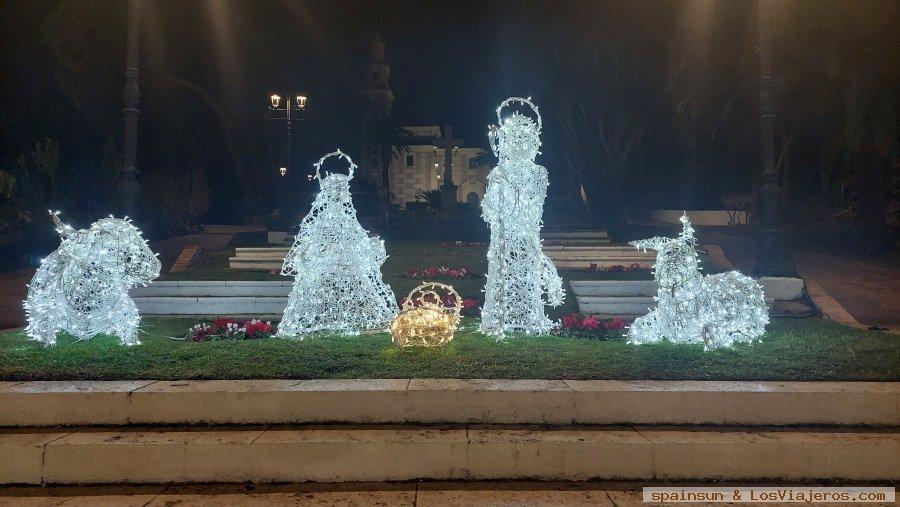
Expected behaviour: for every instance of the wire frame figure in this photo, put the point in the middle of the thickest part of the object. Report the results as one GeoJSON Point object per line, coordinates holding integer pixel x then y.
{"type": "Point", "coordinates": [429, 316]}
{"type": "Point", "coordinates": [336, 265]}
{"type": "Point", "coordinates": [715, 310]}
{"type": "Point", "coordinates": [82, 287]}
{"type": "Point", "coordinates": [521, 280]}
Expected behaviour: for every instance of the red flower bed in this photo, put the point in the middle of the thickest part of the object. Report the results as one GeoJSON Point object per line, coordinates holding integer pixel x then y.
{"type": "Point", "coordinates": [590, 326]}
{"type": "Point", "coordinates": [439, 273]}
{"type": "Point", "coordinates": [231, 329]}
{"type": "Point", "coordinates": [617, 268]}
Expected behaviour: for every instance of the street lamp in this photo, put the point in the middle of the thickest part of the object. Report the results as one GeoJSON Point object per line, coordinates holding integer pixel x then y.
{"type": "Point", "coordinates": [288, 114]}
{"type": "Point", "coordinates": [772, 255]}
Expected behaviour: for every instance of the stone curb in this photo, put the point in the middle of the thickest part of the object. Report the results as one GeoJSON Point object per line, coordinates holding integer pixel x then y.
{"type": "Point", "coordinates": [397, 453]}
{"type": "Point", "coordinates": [456, 401]}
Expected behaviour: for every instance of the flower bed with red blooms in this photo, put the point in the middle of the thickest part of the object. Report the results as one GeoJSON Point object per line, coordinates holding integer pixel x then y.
{"type": "Point", "coordinates": [469, 306]}
{"type": "Point", "coordinates": [617, 268]}
{"type": "Point", "coordinates": [575, 324]}
{"type": "Point", "coordinates": [231, 329]}
{"type": "Point", "coordinates": [440, 273]}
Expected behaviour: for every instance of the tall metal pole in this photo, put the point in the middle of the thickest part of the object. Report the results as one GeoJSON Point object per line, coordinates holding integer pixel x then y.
{"type": "Point", "coordinates": [772, 255]}
{"type": "Point", "coordinates": [129, 189]}
{"type": "Point", "coordinates": [288, 107]}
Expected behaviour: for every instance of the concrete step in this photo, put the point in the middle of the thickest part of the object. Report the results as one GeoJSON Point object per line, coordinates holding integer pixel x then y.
{"type": "Point", "coordinates": [261, 265]}
{"type": "Point", "coordinates": [280, 289]}
{"type": "Point", "coordinates": [452, 401]}
{"type": "Point", "coordinates": [609, 307]}
{"type": "Point", "coordinates": [583, 234]}
{"type": "Point", "coordinates": [598, 248]}
{"type": "Point", "coordinates": [774, 288]}
{"type": "Point", "coordinates": [264, 454]}
{"type": "Point", "coordinates": [211, 305]}
{"type": "Point", "coordinates": [609, 288]}
{"type": "Point", "coordinates": [576, 242]}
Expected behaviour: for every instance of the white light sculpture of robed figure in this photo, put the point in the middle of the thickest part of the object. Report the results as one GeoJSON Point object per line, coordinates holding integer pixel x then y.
{"type": "Point", "coordinates": [337, 266]}
{"type": "Point", "coordinates": [82, 287]}
{"type": "Point", "coordinates": [521, 280]}
{"type": "Point", "coordinates": [716, 310]}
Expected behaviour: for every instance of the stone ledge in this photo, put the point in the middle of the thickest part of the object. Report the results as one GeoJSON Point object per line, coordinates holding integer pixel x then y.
{"type": "Point", "coordinates": [394, 453]}
{"type": "Point", "coordinates": [458, 401]}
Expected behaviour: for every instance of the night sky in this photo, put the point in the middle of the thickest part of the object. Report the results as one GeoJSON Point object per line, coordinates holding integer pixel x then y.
{"type": "Point", "coordinates": [451, 62]}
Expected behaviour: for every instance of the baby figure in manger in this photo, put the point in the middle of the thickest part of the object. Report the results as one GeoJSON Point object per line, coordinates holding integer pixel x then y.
{"type": "Point", "coordinates": [521, 280]}
{"type": "Point", "coordinates": [337, 266]}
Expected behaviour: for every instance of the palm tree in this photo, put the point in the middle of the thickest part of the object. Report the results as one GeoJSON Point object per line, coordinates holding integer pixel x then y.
{"type": "Point", "coordinates": [387, 139]}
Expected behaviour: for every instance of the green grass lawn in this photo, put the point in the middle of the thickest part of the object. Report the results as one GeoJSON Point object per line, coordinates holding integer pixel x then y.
{"type": "Point", "coordinates": [792, 349]}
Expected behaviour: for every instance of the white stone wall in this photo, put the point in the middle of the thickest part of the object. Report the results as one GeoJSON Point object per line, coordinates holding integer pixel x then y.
{"type": "Point", "coordinates": [427, 173]}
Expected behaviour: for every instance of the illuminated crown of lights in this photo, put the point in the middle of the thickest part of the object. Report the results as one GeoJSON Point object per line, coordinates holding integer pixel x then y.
{"type": "Point", "coordinates": [521, 280]}
{"type": "Point", "coordinates": [715, 310]}
{"type": "Point", "coordinates": [82, 287]}
{"type": "Point", "coordinates": [336, 265]}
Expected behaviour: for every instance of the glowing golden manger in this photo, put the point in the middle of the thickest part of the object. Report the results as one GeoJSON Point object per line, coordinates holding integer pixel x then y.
{"type": "Point", "coordinates": [429, 316]}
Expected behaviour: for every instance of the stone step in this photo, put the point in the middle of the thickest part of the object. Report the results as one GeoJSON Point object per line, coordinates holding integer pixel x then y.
{"type": "Point", "coordinates": [261, 265]}
{"type": "Point", "coordinates": [585, 234]}
{"type": "Point", "coordinates": [262, 249]}
{"type": "Point", "coordinates": [452, 401]}
{"type": "Point", "coordinates": [774, 288]}
{"type": "Point", "coordinates": [599, 248]}
{"type": "Point", "coordinates": [152, 291]}
{"type": "Point", "coordinates": [643, 288]}
{"type": "Point", "coordinates": [628, 306]}
{"type": "Point", "coordinates": [576, 242]}
{"type": "Point", "coordinates": [263, 454]}
{"type": "Point", "coordinates": [211, 306]}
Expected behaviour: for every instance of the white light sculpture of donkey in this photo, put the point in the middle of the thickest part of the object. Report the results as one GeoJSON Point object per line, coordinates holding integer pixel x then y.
{"type": "Point", "coordinates": [82, 287]}
{"type": "Point", "coordinates": [715, 310]}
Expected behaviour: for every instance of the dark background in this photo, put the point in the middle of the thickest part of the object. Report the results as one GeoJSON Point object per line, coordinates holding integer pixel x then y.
{"type": "Point", "coordinates": [682, 74]}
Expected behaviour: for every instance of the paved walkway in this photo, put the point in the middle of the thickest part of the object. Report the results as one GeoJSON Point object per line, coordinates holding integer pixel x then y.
{"type": "Point", "coordinates": [420, 494]}
{"type": "Point", "coordinates": [869, 291]}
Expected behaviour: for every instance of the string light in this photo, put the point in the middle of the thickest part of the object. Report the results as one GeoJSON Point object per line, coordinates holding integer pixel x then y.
{"type": "Point", "coordinates": [82, 287]}
{"type": "Point", "coordinates": [716, 310]}
{"type": "Point", "coordinates": [521, 280]}
{"type": "Point", "coordinates": [428, 318]}
{"type": "Point", "coordinates": [336, 265]}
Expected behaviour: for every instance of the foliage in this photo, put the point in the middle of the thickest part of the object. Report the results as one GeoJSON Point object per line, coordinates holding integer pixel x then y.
{"type": "Point", "coordinates": [791, 349]}
{"type": "Point", "coordinates": [174, 202]}
{"type": "Point", "coordinates": [432, 197]}
{"type": "Point", "coordinates": [386, 139]}
{"type": "Point", "coordinates": [230, 329]}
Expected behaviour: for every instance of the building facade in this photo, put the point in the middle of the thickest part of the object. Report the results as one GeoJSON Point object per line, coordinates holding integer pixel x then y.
{"type": "Point", "coordinates": [422, 169]}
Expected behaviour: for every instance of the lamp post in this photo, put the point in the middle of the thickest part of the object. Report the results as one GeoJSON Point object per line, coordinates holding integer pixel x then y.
{"type": "Point", "coordinates": [128, 188]}
{"type": "Point", "coordinates": [288, 113]}
{"type": "Point", "coordinates": [772, 255]}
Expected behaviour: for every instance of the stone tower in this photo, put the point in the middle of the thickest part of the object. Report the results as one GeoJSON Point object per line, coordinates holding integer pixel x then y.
{"type": "Point", "coordinates": [378, 100]}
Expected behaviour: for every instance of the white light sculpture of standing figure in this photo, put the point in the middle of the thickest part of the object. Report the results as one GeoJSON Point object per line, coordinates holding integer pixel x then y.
{"type": "Point", "coordinates": [521, 280]}
{"type": "Point", "coordinates": [337, 266]}
{"type": "Point", "coordinates": [82, 287]}
{"type": "Point", "coordinates": [715, 310]}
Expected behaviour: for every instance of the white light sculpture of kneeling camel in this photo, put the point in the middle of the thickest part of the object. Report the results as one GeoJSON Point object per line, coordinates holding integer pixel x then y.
{"type": "Point", "coordinates": [716, 310]}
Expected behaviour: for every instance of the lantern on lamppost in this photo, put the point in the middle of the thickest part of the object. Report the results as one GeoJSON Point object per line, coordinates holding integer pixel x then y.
{"type": "Point", "coordinates": [288, 112]}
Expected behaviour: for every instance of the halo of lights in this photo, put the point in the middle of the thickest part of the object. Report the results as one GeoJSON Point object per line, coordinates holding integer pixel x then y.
{"type": "Point", "coordinates": [715, 310]}
{"type": "Point", "coordinates": [520, 279]}
{"type": "Point", "coordinates": [82, 287]}
{"type": "Point", "coordinates": [336, 265]}
{"type": "Point", "coordinates": [425, 320]}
